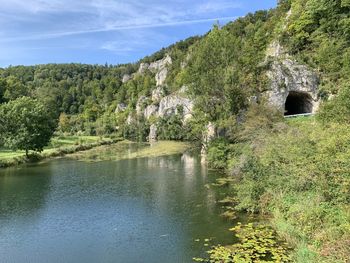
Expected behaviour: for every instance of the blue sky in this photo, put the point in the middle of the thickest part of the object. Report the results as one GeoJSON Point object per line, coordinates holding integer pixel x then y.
{"type": "Point", "coordinates": [100, 31]}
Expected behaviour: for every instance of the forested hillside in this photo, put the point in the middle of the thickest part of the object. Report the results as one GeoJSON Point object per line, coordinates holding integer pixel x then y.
{"type": "Point", "coordinates": [216, 90]}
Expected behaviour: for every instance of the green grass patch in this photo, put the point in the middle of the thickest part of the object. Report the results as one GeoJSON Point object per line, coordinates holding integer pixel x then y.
{"type": "Point", "coordinates": [58, 146]}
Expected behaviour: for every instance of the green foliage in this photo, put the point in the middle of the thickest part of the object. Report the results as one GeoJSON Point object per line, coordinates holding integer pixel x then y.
{"type": "Point", "coordinates": [256, 244]}
{"type": "Point", "coordinates": [318, 34]}
{"type": "Point", "coordinates": [26, 124]}
{"type": "Point", "coordinates": [218, 153]}
{"type": "Point", "coordinates": [171, 127]}
{"type": "Point", "coordinates": [210, 74]}
{"type": "Point", "coordinates": [137, 130]}
{"type": "Point", "coordinates": [338, 108]}
{"type": "Point", "coordinates": [299, 174]}
{"type": "Point", "coordinates": [14, 89]}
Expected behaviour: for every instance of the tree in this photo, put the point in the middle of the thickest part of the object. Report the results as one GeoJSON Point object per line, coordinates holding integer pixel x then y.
{"type": "Point", "coordinates": [15, 88]}
{"type": "Point", "coordinates": [63, 123]}
{"type": "Point", "coordinates": [26, 124]}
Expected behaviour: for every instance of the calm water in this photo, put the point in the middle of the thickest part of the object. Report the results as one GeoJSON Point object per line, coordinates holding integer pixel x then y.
{"type": "Point", "coordinates": [140, 210]}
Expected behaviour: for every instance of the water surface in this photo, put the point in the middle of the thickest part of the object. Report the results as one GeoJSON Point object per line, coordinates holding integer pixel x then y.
{"type": "Point", "coordinates": [137, 210]}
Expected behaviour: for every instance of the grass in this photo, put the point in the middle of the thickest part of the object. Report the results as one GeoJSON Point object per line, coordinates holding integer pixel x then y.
{"type": "Point", "coordinates": [58, 146]}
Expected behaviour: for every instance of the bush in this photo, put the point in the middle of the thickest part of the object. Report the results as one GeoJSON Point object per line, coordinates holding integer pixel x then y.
{"type": "Point", "coordinates": [338, 108]}
{"type": "Point", "coordinates": [218, 153]}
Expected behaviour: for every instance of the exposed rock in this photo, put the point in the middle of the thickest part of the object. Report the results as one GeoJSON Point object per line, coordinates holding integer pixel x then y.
{"type": "Point", "coordinates": [169, 105]}
{"type": "Point", "coordinates": [158, 94]}
{"type": "Point", "coordinates": [287, 75]}
{"type": "Point", "coordinates": [152, 133]}
{"type": "Point", "coordinates": [160, 64]}
{"type": "Point", "coordinates": [161, 76]}
{"type": "Point", "coordinates": [126, 78]}
{"type": "Point", "coordinates": [159, 67]}
{"type": "Point", "coordinates": [120, 107]}
{"type": "Point", "coordinates": [143, 67]}
{"type": "Point", "coordinates": [151, 110]}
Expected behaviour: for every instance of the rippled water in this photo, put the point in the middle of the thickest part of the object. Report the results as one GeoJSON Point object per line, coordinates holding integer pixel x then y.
{"type": "Point", "coordinates": [138, 210]}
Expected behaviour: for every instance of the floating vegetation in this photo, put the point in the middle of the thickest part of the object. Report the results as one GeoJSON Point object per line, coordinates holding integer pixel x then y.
{"type": "Point", "coordinates": [224, 181]}
{"type": "Point", "coordinates": [257, 243]}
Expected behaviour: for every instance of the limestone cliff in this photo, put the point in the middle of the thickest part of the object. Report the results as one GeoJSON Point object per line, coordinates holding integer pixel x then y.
{"type": "Point", "coordinates": [287, 76]}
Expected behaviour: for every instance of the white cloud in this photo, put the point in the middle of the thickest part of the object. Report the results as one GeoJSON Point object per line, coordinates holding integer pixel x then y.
{"type": "Point", "coordinates": [215, 6]}
{"type": "Point", "coordinates": [41, 19]}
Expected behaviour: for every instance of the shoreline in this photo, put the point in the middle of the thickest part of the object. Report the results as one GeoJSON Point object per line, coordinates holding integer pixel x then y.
{"type": "Point", "coordinates": [56, 152]}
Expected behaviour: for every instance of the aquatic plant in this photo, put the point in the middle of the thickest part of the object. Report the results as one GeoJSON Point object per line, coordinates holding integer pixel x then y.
{"type": "Point", "coordinates": [257, 243]}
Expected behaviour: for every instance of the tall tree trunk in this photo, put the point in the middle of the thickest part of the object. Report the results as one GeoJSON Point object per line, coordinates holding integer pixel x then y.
{"type": "Point", "coordinates": [27, 153]}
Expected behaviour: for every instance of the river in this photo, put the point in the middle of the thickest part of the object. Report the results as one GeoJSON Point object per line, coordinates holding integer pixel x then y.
{"type": "Point", "coordinates": [134, 210]}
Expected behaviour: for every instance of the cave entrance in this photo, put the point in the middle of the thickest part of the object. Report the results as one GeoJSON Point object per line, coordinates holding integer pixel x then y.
{"type": "Point", "coordinates": [298, 103]}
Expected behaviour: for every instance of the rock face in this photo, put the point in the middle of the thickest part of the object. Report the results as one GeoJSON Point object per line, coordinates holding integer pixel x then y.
{"type": "Point", "coordinates": [160, 64]}
{"type": "Point", "coordinates": [160, 68]}
{"type": "Point", "coordinates": [126, 78]}
{"type": "Point", "coordinates": [151, 110]}
{"type": "Point", "coordinates": [161, 76]}
{"type": "Point", "coordinates": [167, 106]}
{"type": "Point", "coordinates": [287, 76]}
{"type": "Point", "coordinates": [170, 104]}
{"type": "Point", "coordinates": [158, 94]}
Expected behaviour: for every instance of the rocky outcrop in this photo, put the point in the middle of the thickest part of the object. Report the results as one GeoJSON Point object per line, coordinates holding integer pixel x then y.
{"type": "Point", "coordinates": [170, 105]}
{"type": "Point", "coordinates": [160, 68]}
{"type": "Point", "coordinates": [160, 64]}
{"type": "Point", "coordinates": [161, 76]}
{"type": "Point", "coordinates": [151, 110]}
{"type": "Point", "coordinates": [126, 78]}
{"type": "Point", "coordinates": [164, 106]}
{"type": "Point", "coordinates": [287, 75]}
{"type": "Point", "coordinates": [158, 94]}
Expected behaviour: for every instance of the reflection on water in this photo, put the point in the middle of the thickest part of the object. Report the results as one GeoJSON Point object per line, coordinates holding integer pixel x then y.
{"type": "Point", "coordinates": [137, 210]}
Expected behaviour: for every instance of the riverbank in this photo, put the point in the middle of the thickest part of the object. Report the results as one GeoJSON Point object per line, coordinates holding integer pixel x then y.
{"type": "Point", "coordinates": [59, 146]}
{"type": "Point", "coordinates": [296, 171]}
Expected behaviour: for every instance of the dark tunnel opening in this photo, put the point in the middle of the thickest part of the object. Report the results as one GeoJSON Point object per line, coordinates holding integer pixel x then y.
{"type": "Point", "coordinates": [298, 103]}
